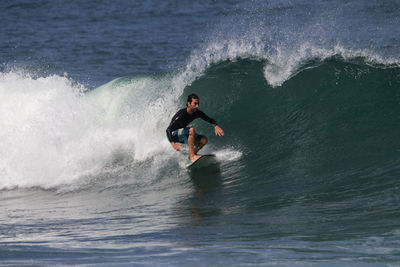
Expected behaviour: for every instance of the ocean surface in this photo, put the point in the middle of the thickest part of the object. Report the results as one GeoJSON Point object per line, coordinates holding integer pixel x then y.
{"type": "Point", "coordinates": [307, 92]}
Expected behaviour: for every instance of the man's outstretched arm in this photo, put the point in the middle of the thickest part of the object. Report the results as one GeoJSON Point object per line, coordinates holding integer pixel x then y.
{"type": "Point", "coordinates": [206, 118]}
{"type": "Point", "coordinates": [217, 129]}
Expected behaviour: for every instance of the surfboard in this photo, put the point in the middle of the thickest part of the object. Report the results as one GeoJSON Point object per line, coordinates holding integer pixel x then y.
{"type": "Point", "coordinates": [203, 161]}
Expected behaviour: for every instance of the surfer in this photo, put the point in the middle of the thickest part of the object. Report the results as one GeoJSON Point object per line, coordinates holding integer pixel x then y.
{"type": "Point", "coordinates": [178, 131]}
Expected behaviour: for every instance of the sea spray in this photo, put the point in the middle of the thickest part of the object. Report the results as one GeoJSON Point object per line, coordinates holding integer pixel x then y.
{"type": "Point", "coordinates": [49, 131]}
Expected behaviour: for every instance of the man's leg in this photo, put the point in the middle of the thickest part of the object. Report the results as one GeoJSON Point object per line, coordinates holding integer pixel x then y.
{"type": "Point", "coordinates": [203, 142]}
{"type": "Point", "coordinates": [192, 152]}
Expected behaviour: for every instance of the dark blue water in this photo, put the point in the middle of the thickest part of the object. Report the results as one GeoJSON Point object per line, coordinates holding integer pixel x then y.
{"type": "Point", "coordinates": [104, 40]}
{"type": "Point", "coordinates": [307, 92]}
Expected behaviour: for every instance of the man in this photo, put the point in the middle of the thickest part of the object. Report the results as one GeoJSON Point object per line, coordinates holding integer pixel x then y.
{"type": "Point", "coordinates": [177, 131]}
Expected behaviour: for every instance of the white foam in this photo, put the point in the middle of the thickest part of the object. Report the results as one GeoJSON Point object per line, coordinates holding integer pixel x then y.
{"type": "Point", "coordinates": [228, 154]}
{"type": "Point", "coordinates": [49, 133]}
{"type": "Point", "coordinates": [53, 134]}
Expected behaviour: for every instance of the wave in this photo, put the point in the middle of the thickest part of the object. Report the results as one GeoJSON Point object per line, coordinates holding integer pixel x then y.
{"type": "Point", "coordinates": [317, 111]}
{"type": "Point", "coordinates": [334, 120]}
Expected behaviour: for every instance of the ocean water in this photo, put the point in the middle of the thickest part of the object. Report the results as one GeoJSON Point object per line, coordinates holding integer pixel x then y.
{"type": "Point", "coordinates": [307, 92]}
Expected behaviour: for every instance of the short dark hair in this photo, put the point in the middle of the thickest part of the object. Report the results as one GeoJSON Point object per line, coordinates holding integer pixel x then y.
{"type": "Point", "coordinates": [191, 97]}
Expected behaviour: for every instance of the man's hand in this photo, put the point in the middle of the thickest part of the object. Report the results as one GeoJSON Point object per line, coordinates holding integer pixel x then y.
{"type": "Point", "coordinates": [176, 146]}
{"type": "Point", "coordinates": [218, 131]}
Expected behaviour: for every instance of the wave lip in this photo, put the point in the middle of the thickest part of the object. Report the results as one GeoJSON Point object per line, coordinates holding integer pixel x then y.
{"type": "Point", "coordinates": [282, 61]}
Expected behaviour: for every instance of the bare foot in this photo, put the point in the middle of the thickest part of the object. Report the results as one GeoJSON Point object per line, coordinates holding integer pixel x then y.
{"type": "Point", "coordinates": [194, 158]}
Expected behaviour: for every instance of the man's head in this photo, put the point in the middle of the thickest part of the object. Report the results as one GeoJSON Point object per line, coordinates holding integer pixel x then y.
{"type": "Point", "coordinates": [192, 103]}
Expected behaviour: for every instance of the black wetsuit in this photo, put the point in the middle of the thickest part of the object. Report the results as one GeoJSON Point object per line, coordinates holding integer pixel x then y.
{"type": "Point", "coordinates": [181, 119]}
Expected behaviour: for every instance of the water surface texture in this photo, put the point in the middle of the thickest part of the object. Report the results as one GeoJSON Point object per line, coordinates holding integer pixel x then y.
{"type": "Point", "coordinates": [307, 92]}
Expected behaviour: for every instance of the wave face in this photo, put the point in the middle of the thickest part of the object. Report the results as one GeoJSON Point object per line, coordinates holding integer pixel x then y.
{"type": "Point", "coordinates": [318, 152]}
{"type": "Point", "coordinates": [332, 126]}
{"type": "Point", "coordinates": [332, 119]}
{"type": "Point", "coordinates": [333, 114]}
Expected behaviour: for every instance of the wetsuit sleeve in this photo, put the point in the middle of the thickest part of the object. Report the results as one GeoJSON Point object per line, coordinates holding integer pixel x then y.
{"type": "Point", "coordinates": [170, 127]}
{"type": "Point", "coordinates": [169, 134]}
{"type": "Point", "coordinates": [206, 118]}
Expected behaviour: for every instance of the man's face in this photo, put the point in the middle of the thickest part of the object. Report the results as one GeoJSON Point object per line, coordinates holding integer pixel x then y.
{"type": "Point", "coordinates": [194, 105]}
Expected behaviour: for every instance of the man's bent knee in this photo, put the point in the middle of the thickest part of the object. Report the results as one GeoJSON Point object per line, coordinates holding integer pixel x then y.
{"type": "Point", "coordinates": [191, 131]}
